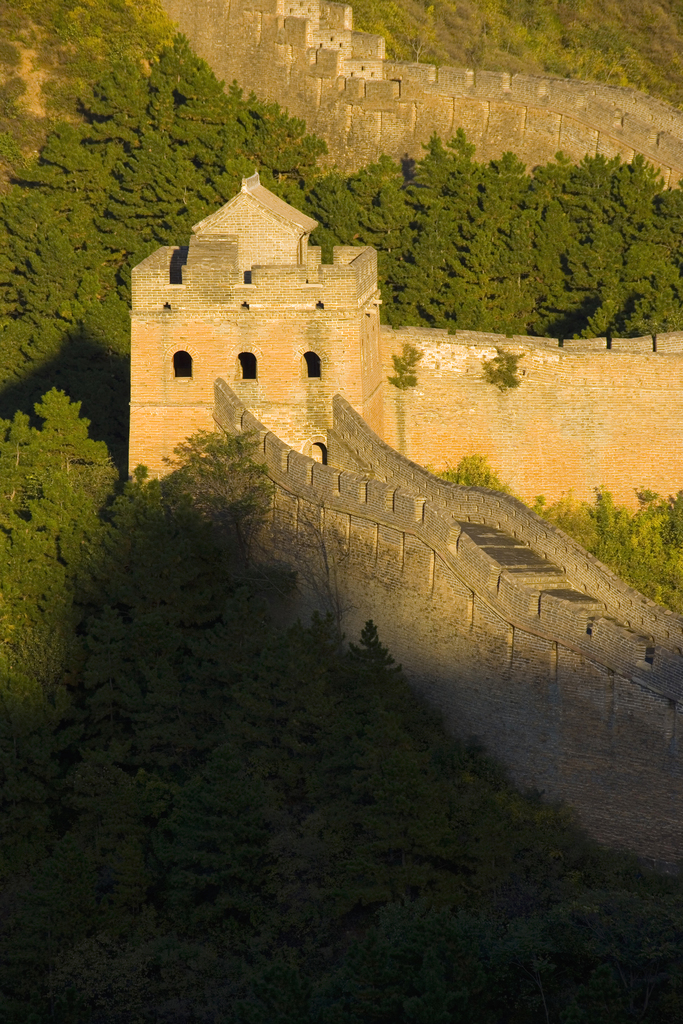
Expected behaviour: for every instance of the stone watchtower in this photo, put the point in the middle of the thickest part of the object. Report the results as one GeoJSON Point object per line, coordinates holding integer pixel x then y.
{"type": "Point", "coordinates": [250, 301]}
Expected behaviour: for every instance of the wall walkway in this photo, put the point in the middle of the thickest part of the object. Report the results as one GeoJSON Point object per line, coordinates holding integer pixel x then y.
{"type": "Point", "coordinates": [518, 635]}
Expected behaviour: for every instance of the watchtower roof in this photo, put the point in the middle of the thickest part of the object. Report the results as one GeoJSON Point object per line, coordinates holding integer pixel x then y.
{"type": "Point", "coordinates": [253, 188]}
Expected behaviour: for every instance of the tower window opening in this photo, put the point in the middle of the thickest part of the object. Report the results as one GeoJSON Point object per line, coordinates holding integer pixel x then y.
{"type": "Point", "coordinates": [312, 364]}
{"type": "Point", "coordinates": [182, 364]}
{"type": "Point", "coordinates": [319, 452]}
{"type": "Point", "coordinates": [248, 365]}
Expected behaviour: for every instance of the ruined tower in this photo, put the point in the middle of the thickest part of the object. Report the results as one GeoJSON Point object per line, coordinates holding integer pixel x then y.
{"type": "Point", "coordinates": [250, 301]}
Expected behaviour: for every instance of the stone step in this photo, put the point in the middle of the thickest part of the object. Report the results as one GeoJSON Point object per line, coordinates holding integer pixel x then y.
{"type": "Point", "coordinates": [516, 558]}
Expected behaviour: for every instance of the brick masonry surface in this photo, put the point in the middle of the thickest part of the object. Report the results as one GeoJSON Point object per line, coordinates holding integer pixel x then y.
{"type": "Point", "coordinates": [306, 55]}
{"type": "Point", "coordinates": [584, 416]}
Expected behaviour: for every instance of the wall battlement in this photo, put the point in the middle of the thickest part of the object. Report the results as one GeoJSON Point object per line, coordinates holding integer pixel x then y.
{"type": "Point", "coordinates": [215, 281]}
{"type": "Point", "coordinates": [542, 580]}
{"type": "Point", "coordinates": [307, 56]}
{"type": "Point", "coordinates": [665, 343]}
{"type": "Point", "coordinates": [502, 620]}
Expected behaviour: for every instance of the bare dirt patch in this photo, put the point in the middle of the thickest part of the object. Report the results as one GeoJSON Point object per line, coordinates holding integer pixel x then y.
{"type": "Point", "coordinates": [33, 78]}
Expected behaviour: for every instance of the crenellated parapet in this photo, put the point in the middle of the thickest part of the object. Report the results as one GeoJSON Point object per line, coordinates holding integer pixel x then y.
{"type": "Point", "coordinates": [308, 57]}
{"type": "Point", "coordinates": [508, 626]}
{"type": "Point", "coordinates": [531, 572]}
{"type": "Point", "coordinates": [534, 574]}
{"type": "Point", "coordinates": [206, 277]}
{"type": "Point", "coordinates": [253, 256]}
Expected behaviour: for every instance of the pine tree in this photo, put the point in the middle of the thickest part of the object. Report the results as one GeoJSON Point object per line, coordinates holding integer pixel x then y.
{"type": "Point", "coordinates": [55, 910]}
{"type": "Point", "coordinates": [213, 849]}
{"type": "Point", "coordinates": [54, 482]}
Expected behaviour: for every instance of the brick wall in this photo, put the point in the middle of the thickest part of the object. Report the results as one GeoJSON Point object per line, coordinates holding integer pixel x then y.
{"type": "Point", "coordinates": [583, 417]}
{"type": "Point", "coordinates": [310, 60]}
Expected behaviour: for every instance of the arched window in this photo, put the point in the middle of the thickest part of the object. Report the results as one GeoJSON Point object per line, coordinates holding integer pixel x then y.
{"type": "Point", "coordinates": [248, 364]}
{"type": "Point", "coordinates": [312, 364]}
{"type": "Point", "coordinates": [182, 364]}
{"type": "Point", "coordinates": [319, 452]}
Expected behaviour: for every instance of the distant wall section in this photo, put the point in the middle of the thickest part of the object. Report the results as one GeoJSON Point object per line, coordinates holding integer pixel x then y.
{"type": "Point", "coordinates": [306, 55]}
{"type": "Point", "coordinates": [583, 417]}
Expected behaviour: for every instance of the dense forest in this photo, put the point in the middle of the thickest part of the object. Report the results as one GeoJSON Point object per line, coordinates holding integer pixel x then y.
{"type": "Point", "coordinates": [565, 252]}
{"type": "Point", "coordinates": [205, 817]}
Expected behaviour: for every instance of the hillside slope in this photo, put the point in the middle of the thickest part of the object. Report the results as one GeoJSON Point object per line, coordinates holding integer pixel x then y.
{"type": "Point", "coordinates": [52, 52]}
{"type": "Point", "coordinates": [626, 43]}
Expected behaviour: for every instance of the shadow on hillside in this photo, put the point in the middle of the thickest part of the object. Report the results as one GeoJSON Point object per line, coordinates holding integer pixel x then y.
{"type": "Point", "coordinates": [88, 372]}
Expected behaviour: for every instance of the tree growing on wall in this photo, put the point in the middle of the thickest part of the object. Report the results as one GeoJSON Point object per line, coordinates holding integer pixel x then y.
{"type": "Point", "coordinates": [502, 371]}
{"type": "Point", "coordinates": [475, 471]}
{"type": "Point", "coordinates": [404, 367]}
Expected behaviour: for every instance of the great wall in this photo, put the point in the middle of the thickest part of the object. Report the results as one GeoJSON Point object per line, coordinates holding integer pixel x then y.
{"type": "Point", "coordinates": [306, 55]}
{"type": "Point", "coordinates": [511, 629]}
{"type": "Point", "coordinates": [502, 622]}
{"type": "Point", "coordinates": [586, 415]}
